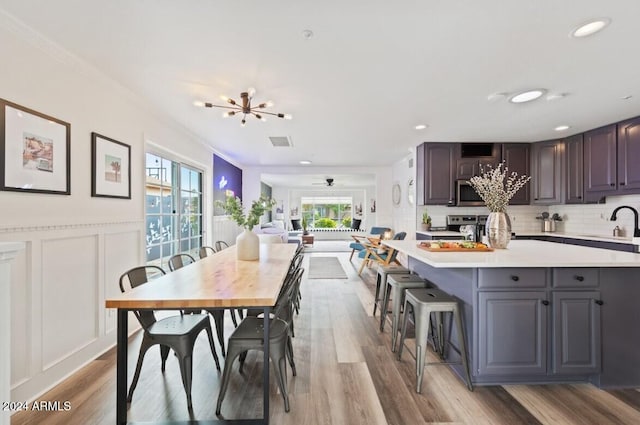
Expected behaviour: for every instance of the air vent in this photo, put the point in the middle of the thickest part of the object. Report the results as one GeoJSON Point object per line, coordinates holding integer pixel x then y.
{"type": "Point", "coordinates": [281, 142]}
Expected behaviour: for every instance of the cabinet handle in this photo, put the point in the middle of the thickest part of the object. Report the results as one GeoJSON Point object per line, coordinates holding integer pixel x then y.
{"type": "Point", "coordinates": [545, 302]}
{"type": "Point", "coordinates": [515, 278]}
{"type": "Point", "coordinates": [612, 184]}
{"type": "Point", "coordinates": [579, 278]}
{"type": "Point", "coordinates": [622, 183]}
{"type": "Point", "coordinates": [535, 199]}
{"type": "Point", "coordinates": [579, 197]}
{"type": "Point", "coordinates": [599, 302]}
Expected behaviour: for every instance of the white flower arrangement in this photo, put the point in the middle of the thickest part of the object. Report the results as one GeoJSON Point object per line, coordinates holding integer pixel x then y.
{"type": "Point", "coordinates": [496, 186]}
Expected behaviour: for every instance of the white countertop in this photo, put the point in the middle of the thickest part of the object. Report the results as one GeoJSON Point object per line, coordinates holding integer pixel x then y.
{"type": "Point", "coordinates": [521, 253]}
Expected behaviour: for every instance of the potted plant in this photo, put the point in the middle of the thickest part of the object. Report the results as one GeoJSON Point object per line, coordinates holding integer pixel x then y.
{"type": "Point", "coordinates": [247, 242]}
{"type": "Point", "coordinates": [426, 221]}
{"type": "Point", "coordinates": [304, 225]}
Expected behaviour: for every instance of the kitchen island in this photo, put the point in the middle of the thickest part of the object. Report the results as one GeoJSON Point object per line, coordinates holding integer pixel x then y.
{"type": "Point", "coordinates": [541, 311]}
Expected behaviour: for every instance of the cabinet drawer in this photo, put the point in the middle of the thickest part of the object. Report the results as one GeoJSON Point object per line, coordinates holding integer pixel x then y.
{"type": "Point", "coordinates": [576, 278]}
{"type": "Point", "coordinates": [512, 278]}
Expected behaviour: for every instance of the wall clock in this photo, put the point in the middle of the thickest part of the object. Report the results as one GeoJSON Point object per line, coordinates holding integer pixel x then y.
{"type": "Point", "coordinates": [396, 194]}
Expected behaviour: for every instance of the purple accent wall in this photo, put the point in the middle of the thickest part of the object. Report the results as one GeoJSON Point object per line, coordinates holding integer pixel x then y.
{"type": "Point", "coordinates": [226, 177]}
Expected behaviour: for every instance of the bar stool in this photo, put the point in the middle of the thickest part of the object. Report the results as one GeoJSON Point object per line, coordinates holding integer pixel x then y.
{"type": "Point", "coordinates": [395, 289]}
{"type": "Point", "coordinates": [421, 303]}
{"type": "Point", "coordinates": [381, 280]}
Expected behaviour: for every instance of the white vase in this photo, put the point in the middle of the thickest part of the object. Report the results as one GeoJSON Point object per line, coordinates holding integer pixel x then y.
{"type": "Point", "coordinates": [247, 246]}
{"type": "Point", "coordinates": [498, 230]}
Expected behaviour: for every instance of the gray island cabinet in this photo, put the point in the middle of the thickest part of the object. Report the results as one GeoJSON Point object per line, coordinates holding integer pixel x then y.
{"type": "Point", "coordinates": [542, 312]}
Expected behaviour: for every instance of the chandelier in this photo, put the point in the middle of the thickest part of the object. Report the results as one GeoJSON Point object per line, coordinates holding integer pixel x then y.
{"type": "Point", "coordinates": [244, 107]}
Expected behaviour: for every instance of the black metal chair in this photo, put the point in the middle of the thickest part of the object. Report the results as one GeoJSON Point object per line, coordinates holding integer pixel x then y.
{"type": "Point", "coordinates": [220, 245]}
{"type": "Point", "coordinates": [249, 336]}
{"type": "Point", "coordinates": [177, 333]}
{"type": "Point", "coordinates": [180, 260]}
{"type": "Point", "coordinates": [206, 251]}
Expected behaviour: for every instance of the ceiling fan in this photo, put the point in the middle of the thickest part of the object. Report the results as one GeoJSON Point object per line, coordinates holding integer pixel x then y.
{"type": "Point", "coordinates": [327, 182]}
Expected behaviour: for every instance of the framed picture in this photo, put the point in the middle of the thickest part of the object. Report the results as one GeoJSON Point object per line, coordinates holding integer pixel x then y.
{"type": "Point", "coordinates": [110, 168]}
{"type": "Point", "coordinates": [35, 151]}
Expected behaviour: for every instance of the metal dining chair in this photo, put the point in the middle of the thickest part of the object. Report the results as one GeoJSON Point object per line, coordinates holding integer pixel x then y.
{"type": "Point", "coordinates": [220, 245]}
{"type": "Point", "coordinates": [177, 333]}
{"type": "Point", "coordinates": [206, 251]}
{"type": "Point", "coordinates": [180, 260]}
{"type": "Point", "coordinates": [249, 336]}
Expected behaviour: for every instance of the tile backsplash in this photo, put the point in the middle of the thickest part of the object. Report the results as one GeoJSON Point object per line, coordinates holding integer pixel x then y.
{"type": "Point", "coordinates": [586, 219]}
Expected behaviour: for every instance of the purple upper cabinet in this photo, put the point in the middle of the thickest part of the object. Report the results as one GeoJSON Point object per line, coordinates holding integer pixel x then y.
{"type": "Point", "coordinates": [574, 170]}
{"type": "Point", "coordinates": [435, 174]}
{"type": "Point", "coordinates": [516, 159]}
{"type": "Point", "coordinates": [629, 156]}
{"type": "Point", "coordinates": [546, 173]}
{"type": "Point", "coordinates": [600, 177]}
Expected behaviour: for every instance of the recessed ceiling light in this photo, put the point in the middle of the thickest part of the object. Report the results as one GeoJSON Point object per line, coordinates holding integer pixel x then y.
{"type": "Point", "coordinates": [307, 34]}
{"type": "Point", "coordinates": [421, 126]}
{"type": "Point", "coordinates": [305, 162]}
{"type": "Point", "coordinates": [590, 28]}
{"type": "Point", "coordinates": [527, 96]}
{"type": "Point", "coordinates": [562, 128]}
{"type": "Point", "coordinates": [627, 97]}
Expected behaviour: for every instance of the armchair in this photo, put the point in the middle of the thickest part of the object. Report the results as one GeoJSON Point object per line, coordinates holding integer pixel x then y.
{"type": "Point", "coordinates": [360, 240]}
{"type": "Point", "coordinates": [384, 256]}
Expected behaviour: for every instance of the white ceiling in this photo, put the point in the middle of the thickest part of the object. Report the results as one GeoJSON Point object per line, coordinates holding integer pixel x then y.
{"type": "Point", "coordinates": [372, 71]}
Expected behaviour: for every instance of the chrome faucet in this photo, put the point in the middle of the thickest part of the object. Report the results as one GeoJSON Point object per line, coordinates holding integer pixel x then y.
{"type": "Point", "coordinates": [636, 230]}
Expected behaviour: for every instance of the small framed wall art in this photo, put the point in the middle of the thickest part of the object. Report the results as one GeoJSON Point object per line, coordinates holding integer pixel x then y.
{"type": "Point", "coordinates": [110, 168]}
{"type": "Point", "coordinates": [35, 151]}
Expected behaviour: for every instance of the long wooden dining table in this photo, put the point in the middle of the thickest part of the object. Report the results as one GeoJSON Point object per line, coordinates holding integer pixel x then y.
{"type": "Point", "coordinates": [218, 281]}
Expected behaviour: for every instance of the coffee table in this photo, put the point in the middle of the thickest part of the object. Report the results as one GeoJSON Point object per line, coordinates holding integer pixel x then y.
{"type": "Point", "coordinates": [307, 239]}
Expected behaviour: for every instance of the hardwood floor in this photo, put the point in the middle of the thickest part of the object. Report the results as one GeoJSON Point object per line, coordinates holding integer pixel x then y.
{"type": "Point", "coordinates": [346, 375]}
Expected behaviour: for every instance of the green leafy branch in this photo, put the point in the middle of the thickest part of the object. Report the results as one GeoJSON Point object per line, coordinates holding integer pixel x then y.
{"type": "Point", "coordinates": [233, 207]}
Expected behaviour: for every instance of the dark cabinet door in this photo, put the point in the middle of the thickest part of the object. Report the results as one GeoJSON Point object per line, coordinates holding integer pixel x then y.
{"type": "Point", "coordinates": [420, 174]}
{"type": "Point", "coordinates": [576, 332]}
{"type": "Point", "coordinates": [438, 171]}
{"type": "Point", "coordinates": [629, 156]}
{"type": "Point", "coordinates": [574, 172]}
{"type": "Point", "coordinates": [547, 172]}
{"type": "Point", "coordinates": [600, 162]}
{"type": "Point", "coordinates": [516, 158]}
{"type": "Point", "coordinates": [512, 337]}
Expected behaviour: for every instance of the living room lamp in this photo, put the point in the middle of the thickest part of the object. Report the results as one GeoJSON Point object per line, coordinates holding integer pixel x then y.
{"type": "Point", "coordinates": [245, 107]}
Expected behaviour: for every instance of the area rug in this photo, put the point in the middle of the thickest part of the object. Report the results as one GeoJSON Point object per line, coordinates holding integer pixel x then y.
{"type": "Point", "coordinates": [325, 268]}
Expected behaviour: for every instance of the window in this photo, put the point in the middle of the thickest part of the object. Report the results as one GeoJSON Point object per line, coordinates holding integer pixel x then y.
{"type": "Point", "coordinates": [327, 211]}
{"type": "Point", "coordinates": [173, 209]}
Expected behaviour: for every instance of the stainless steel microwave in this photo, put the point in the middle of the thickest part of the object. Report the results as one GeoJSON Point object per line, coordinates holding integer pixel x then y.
{"type": "Point", "coordinates": [466, 195]}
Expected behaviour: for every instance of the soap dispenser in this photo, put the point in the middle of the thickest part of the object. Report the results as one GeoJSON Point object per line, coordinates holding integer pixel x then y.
{"type": "Point", "coordinates": [616, 231]}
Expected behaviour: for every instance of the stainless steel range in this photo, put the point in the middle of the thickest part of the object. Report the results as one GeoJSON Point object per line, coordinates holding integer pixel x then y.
{"type": "Point", "coordinates": [470, 226]}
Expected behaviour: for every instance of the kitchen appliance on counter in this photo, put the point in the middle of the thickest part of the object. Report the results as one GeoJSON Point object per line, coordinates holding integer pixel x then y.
{"type": "Point", "coordinates": [470, 226]}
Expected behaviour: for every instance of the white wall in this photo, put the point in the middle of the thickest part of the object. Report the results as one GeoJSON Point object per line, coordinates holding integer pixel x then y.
{"type": "Point", "coordinates": [76, 245]}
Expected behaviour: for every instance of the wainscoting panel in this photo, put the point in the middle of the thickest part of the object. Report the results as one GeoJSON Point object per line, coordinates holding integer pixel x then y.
{"type": "Point", "coordinates": [69, 296]}
{"type": "Point", "coordinates": [58, 286]}
{"type": "Point", "coordinates": [122, 251]}
{"type": "Point", "coordinates": [20, 317]}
